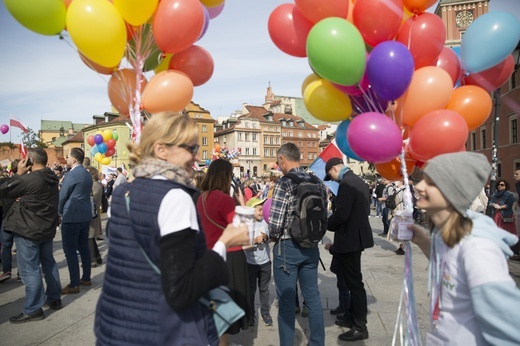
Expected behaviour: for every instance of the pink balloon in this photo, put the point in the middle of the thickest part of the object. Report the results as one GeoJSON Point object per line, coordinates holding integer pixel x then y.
{"type": "Point", "coordinates": [449, 61]}
{"type": "Point", "coordinates": [358, 89]}
{"type": "Point", "coordinates": [215, 11]}
{"type": "Point", "coordinates": [266, 209]}
{"type": "Point", "coordinates": [494, 77]}
{"type": "Point", "coordinates": [4, 129]}
{"type": "Point", "coordinates": [374, 137]}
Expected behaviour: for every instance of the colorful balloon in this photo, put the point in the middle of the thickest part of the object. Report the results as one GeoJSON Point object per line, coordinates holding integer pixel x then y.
{"type": "Point", "coordinates": [4, 129]}
{"type": "Point", "coordinates": [449, 61]}
{"type": "Point", "coordinates": [102, 148]}
{"type": "Point", "coordinates": [105, 161]}
{"type": "Point", "coordinates": [266, 209]}
{"type": "Point", "coordinates": [377, 20]}
{"type": "Point", "coordinates": [107, 134]}
{"type": "Point", "coordinates": [325, 102]}
{"type": "Point", "coordinates": [336, 51]}
{"type": "Point", "coordinates": [122, 88]}
{"type": "Point", "coordinates": [91, 141]}
{"type": "Point", "coordinates": [98, 31]}
{"type": "Point", "coordinates": [374, 125]}
{"type": "Point", "coordinates": [110, 152]}
{"type": "Point", "coordinates": [94, 150]}
{"type": "Point", "coordinates": [111, 143]}
{"type": "Point", "coordinates": [473, 103]}
{"type": "Point", "coordinates": [136, 12]}
{"type": "Point", "coordinates": [342, 142]}
{"type": "Point", "coordinates": [163, 65]}
{"type": "Point", "coordinates": [98, 139]}
{"type": "Point", "coordinates": [316, 10]}
{"type": "Point", "coordinates": [494, 77]}
{"type": "Point", "coordinates": [368, 102]}
{"type": "Point", "coordinates": [115, 135]}
{"type": "Point", "coordinates": [167, 91]}
{"type": "Point", "coordinates": [216, 11]}
{"type": "Point", "coordinates": [418, 5]}
{"type": "Point", "coordinates": [96, 67]}
{"type": "Point", "coordinates": [177, 24]}
{"type": "Point", "coordinates": [212, 3]}
{"type": "Point", "coordinates": [391, 170]}
{"type": "Point", "coordinates": [46, 17]}
{"type": "Point", "coordinates": [497, 29]}
{"type": "Point", "coordinates": [216, 147]}
{"type": "Point", "coordinates": [390, 69]}
{"type": "Point", "coordinates": [438, 132]}
{"type": "Point", "coordinates": [308, 80]}
{"type": "Point", "coordinates": [289, 29]}
{"type": "Point", "coordinates": [195, 62]}
{"type": "Point", "coordinates": [98, 157]}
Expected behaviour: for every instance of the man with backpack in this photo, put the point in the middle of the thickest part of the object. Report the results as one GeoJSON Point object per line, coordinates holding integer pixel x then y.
{"type": "Point", "coordinates": [297, 221]}
{"type": "Point", "coordinates": [352, 234]}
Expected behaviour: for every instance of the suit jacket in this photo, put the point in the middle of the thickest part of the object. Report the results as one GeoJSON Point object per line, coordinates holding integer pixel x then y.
{"type": "Point", "coordinates": [74, 205]}
{"type": "Point", "coordinates": [349, 222]}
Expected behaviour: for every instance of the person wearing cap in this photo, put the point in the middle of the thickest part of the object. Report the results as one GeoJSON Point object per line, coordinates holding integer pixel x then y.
{"type": "Point", "coordinates": [473, 299]}
{"type": "Point", "coordinates": [352, 234]}
{"type": "Point", "coordinates": [259, 263]}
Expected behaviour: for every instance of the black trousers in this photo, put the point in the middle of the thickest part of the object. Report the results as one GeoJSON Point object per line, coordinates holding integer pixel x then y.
{"type": "Point", "coordinates": [351, 268]}
{"type": "Point", "coordinates": [261, 275]}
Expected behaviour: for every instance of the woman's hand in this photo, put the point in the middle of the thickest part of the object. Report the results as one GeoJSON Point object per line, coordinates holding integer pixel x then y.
{"type": "Point", "coordinates": [240, 197]}
{"type": "Point", "coordinates": [421, 239]}
{"type": "Point", "coordinates": [235, 236]}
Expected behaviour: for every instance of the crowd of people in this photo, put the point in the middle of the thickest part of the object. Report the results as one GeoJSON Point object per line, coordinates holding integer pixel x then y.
{"type": "Point", "coordinates": [172, 239]}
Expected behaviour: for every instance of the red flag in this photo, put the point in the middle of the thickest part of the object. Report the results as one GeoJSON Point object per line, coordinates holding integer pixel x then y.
{"type": "Point", "coordinates": [23, 151]}
{"type": "Point", "coordinates": [331, 151]}
{"type": "Point", "coordinates": [17, 123]}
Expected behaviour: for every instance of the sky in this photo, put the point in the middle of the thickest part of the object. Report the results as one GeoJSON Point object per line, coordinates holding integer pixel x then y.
{"type": "Point", "coordinates": [42, 77]}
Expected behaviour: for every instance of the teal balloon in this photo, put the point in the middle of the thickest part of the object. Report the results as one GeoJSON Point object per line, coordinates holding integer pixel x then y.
{"type": "Point", "coordinates": [342, 142]}
{"type": "Point", "coordinates": [489, 40]}
{"type": "Point", "coordinates": [336, 51]}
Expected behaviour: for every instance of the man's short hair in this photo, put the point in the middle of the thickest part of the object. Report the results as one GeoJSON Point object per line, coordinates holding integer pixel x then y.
{"type": "Point", "coordinates": [290, 151]}
{"type": "Point", "coordinates": [78, 154]}
{"type": "Point", "coordinates": [38, 156]}
{"type": "Point", "coordinates": [119, 169]}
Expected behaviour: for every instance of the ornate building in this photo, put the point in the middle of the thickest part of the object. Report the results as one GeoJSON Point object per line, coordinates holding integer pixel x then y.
{"type": "Point", "coordinates": [206, 126]}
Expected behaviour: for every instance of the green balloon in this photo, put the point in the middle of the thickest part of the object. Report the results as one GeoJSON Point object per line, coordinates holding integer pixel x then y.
{"type": "Point", "coordinates": [336, 51]}
{"type": "Point", "coordinates": [46, 17]}
{"type": "Point", "coordinates": [115, 136]}
{"type": "Point", "coordinates": [148, 48]}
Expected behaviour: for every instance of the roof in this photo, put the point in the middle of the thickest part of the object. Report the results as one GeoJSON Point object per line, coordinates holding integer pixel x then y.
{"type": "Point", "coordinates": [77, 138]}
{"type": "Point", "coordinates": [56, 125]}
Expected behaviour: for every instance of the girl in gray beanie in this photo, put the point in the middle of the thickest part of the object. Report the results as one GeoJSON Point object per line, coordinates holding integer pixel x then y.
{"type": "Point", "coordinates": [473, 299]}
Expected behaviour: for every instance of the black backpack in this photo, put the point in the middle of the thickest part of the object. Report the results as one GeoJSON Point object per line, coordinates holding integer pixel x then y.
{"type": "Point", "coordinates": [310, 220]}
{"type": "Point", "coordinates": [391, 200]}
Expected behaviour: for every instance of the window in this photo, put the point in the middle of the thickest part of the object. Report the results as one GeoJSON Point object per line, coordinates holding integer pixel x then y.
{"type": "Point", "coordinates": [277, 140]}
{"type": "Point", "coordinates": [204, 140]}
{"type": "Point", "coordinates": [483, 138]}
{"type": "Point", "coordinates": [224, 140]}
{"type": "Point", "coordinates": [271, 140]}
{"type": "Point", "coordinates": [247, 136]}
{"type": "Point", "coordinates": [247, 151]}
{"type": "Point", "coordinates": [265, 166]}
{"type": "Point", "coordinates": [254, 151]}
{"type": "Point", "coordinates": [473, 142]}
{"type": "Point", "coordinates": [308, 144]}
{"type": "Point", "coordinates": [499, 169]}
{"type": "Point", "coordinates": [299, 144]}
{"type": "Point", "coordinates": [254, 137]}
{"type": "Point", "coordinates": [265, 139]}
{"type": "Point", "coordinates": [246, 124]}
{"type": "Point", "coordinates": [204, 128]}
{"type": "Point", "coordinates": [284, 133]}
{"type": "Point", "coordinates": [290, 133]}
{"type": "Point", "coordinates": [265, 152]}
{"type": "Point", "coordinates": [300, 134]}
{"type": "Point", "coordinates": [513, 130]}
{"type": "Point", "coordinates": [204, 154]}
{"type": "Point", "coordinates": [255, 125]}
{"type": "Point", "coordinates": [239, 135]}
{"type": "Point", "coordinates": [271, 152]}
{"type": "Point", "coordinates": [308, 135]}
{"type": "Point", "coordinates": [309, 156]}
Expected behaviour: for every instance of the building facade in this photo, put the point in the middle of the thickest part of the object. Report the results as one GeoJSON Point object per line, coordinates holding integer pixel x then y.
{"type": "Point", "coordinates": [206, 126]}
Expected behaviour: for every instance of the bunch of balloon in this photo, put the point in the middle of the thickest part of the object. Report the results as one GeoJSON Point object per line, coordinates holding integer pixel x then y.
{"type": "Point", "coordinates": [221, 152]}
{"type": "Point", "coordinates": [150, 35]}
{"type": "Point", "coordinates": [103, 146]}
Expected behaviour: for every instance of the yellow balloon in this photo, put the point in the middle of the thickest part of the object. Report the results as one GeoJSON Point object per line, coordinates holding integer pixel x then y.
{"type": "Point", "coordinates": [308, 80]}
{"type": "Point", "coordinates": [163, 65]}
{"type": "Point", "coordinates": [136, 12]}
{"type": "Point", "coordinates": [105, 161]}
{"type": "Point", "coordinates": [107, 134]}
{"type": "Point", "coordinates": [46, 17]}
{"type": "Point", "coordinates": [211, 3]}
{"type": "Point", "coordinates": [98, 31]}
{"type": "Point", "coordinates": [325, 102]}
{"type": "Point", "coordinates": [98, 157]}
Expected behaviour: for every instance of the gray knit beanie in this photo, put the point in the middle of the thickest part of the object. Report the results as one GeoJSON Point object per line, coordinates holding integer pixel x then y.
{"type": "Point", "coordinates": [459, 176]}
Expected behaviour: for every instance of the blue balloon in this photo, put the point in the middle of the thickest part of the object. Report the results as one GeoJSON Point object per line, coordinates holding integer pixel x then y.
{"type": "Point", "coordinates": [102, 148]}
{"type": "Point", "coordinates": [390, 69]}
{"type": "Point", "coordinates": [489, 40]}
{"type": "Point", "coordinates": [208, 161]}
{"type": "Point", "coordinates": [94, 150]}
{"type": "Point", "coordinates": [341, 140]}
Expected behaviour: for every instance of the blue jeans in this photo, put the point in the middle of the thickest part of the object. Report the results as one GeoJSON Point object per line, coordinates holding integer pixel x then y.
{"type": "Point", "coordinates": [30, 254]}
{"type": "Point", "coordinates": [300, 264]}
{"type": "Point", "coordinates": [7, 248]}
{"type": "Point", "coordinates": [386, 222]}
{"type": "Point", "coordinates": [74, 236]}
{"type": "Point", "coordinates": [379, 208]}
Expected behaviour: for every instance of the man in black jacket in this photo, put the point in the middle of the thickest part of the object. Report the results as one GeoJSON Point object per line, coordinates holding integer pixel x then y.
{"type": "Point", "coordinates": [33, 219]}
{"type": "Point", "coordinates": [352, 234]}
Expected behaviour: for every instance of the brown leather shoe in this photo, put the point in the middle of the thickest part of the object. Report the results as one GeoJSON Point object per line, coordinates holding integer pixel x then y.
{"type": "Point", "coordinates": [70, 290]}
{"type": "Point", "coordinates": [85, 283]}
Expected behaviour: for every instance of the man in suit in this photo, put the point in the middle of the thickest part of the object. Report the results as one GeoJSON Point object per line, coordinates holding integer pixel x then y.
{"type": "Point", "coordinates": [76, 213]}
{"type": "Point", "coordinates": [352, 234]}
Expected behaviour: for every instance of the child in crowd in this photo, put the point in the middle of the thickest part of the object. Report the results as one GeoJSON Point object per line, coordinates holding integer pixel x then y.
{"type": "Point", "coordinates": [259, 263]}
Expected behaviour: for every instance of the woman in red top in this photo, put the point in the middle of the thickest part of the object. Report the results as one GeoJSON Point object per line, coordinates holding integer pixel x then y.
{"type": "Point", "coordinates": [216, 209]}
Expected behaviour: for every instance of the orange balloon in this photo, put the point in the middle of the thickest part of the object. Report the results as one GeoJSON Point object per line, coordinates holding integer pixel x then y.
{"type": "Point", "coordinates": [96, 67]}
{"type": "Point", "coordinates": [350, 15]}
{"type": "Point", "coordinates": [196, 62]}
{"type": "Point", "coordinates": [430, 89]}
{"type": "Point", "coordinates": [168, 91]}
{"type": "Point", "coordinates": [473, 103]}
{"type": "Point", "coordinates": [122, 88]}
{"type": "Point", "coordinates": [217, 147]}
{"type": "Point", "coordinates": [308, 80]}
{"type": "Point", "coordinates": [391, 170]}
{"type": "Point", "coordinates": [418, 5]}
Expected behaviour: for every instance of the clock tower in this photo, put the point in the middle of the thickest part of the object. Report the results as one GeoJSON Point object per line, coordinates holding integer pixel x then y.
{"type": "Point", "coordinates": [457, 15]}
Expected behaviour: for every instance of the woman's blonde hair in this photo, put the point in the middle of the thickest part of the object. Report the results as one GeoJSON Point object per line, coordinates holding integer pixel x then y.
{"type": "Point", "coordinates": [455, 228]}
{"type": "Point", "coordinates": [167, 128]}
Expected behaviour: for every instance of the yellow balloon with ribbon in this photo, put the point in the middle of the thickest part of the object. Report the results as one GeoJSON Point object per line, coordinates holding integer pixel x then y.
{"type": "Point", "coordinates": [325, 102]}
{"type": "Point", "coordinates": [136, 12]}
{"type": "Point", "coordinates": [98, 30]}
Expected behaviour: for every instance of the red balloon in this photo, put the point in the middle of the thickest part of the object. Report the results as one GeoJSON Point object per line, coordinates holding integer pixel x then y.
{"type": "Point", "coordinates": [196, 62]}
{"type": "Point", "coordinates": [424, 35]}
{"type": "Point", "coordinates": [177, 24]}
{"type": "Point", "coordinates": [449, 61]}
{"type": "Point", "coordinates": [378, 20]}
{"type": "Point", "coordinates": [289, 29]}
{"type": "Point", "coordinates": [111, 143]}
{"type": "Point", "coordinates": [438, 132]}
{"type": "Point", "coordinates": [91, 141]}
{"type": "Point", "coordinates": [494, 77]}
{"type": "Point", "coordinates": [316, 10]}
{"type": "Point", "coordinates": [122, 87]}
{"type": "Point", "coordinates": [110, 152]}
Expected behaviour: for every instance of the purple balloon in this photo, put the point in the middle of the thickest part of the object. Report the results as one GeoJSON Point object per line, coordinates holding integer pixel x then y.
{"type": "Point", "coordinates": [215, 11]}
{"type": "Point", "coordinates": [4, 129]}
{"type": "Point", "coordinates": [374, 137]}
{"type": "Point", "coordinates": [266, 209]}
{"type": "Point", "coordinates": [206, 23]}
{"type": "Point", "coordinates": [368, 102]}
{"type": "Point", "coordinates": [390, 69]}
{"type": "Point", "coordinates": [98, 139]}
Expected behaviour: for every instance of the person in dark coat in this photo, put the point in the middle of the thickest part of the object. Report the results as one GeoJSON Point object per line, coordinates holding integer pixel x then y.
{"type": "Point", "coordinates": [352, 234]}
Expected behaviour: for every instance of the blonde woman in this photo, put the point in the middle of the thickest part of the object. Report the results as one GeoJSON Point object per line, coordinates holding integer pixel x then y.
{"type": "Point", "coordinates": [154, 219]}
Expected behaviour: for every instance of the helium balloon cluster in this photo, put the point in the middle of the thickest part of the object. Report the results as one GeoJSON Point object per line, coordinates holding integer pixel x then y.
{"type": "Point", "coordinates": [220, 152]}
{"type": "Point", "coordinates": [381, 69]}
{"type": "Point", "coordinates": [103, 145]}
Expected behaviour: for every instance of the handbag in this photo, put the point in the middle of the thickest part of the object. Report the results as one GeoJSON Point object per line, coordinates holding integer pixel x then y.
{"type": "Point", "coordinates": [93, 206]}
{"type": "Point", "coordinates": [225, 310]}
{"type": "Point", "coordinates": [508, 219]}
